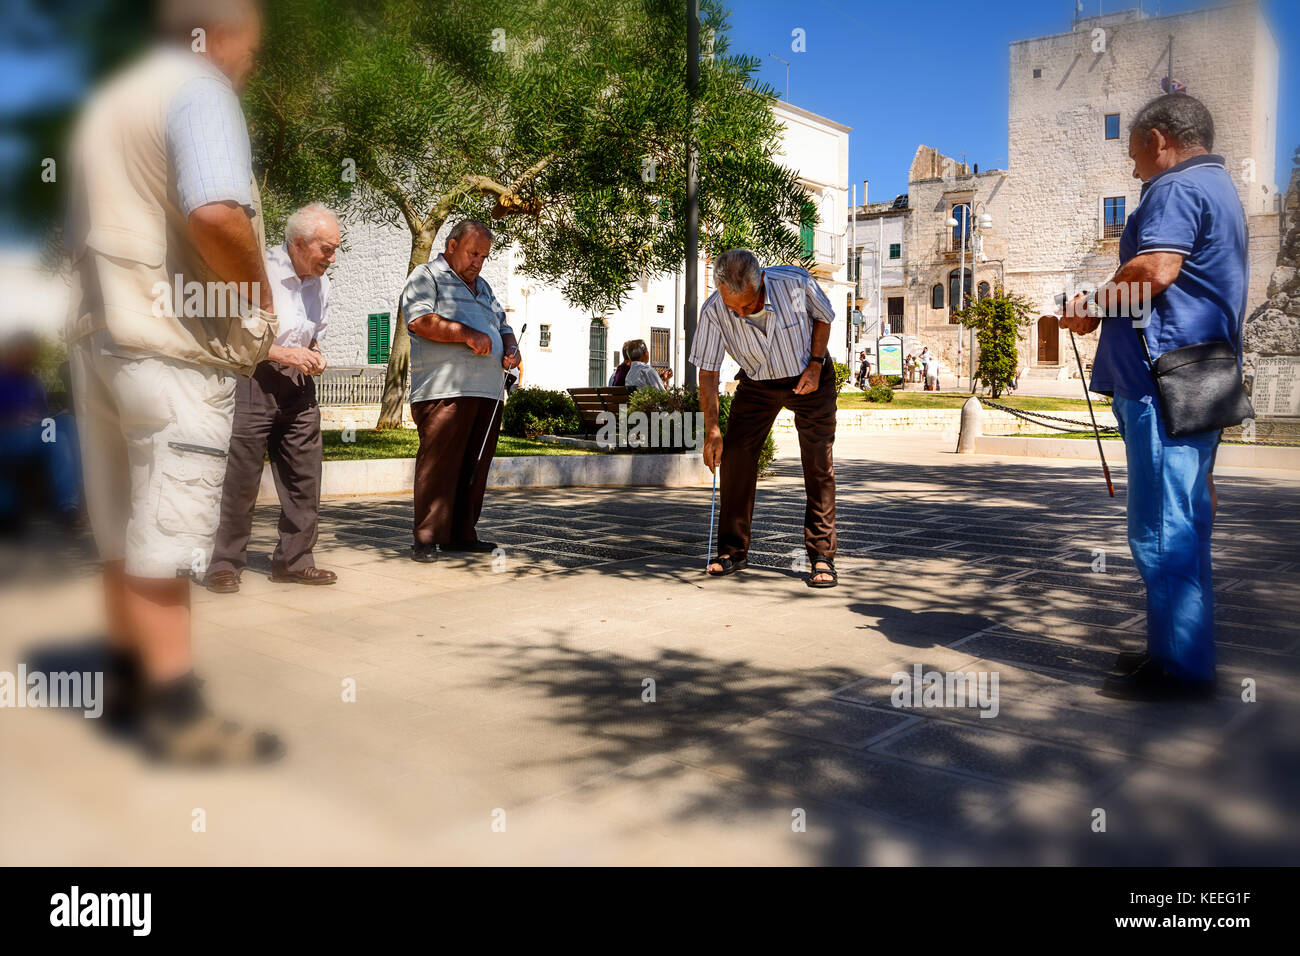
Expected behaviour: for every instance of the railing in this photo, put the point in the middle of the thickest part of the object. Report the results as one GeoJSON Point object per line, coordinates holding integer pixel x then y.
{"type": "Point", "coordinates": [351, 385]}
{"type": "Point", "coordinates": [828, 248]}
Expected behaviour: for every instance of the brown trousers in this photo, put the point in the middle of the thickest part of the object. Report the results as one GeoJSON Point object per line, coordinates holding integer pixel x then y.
{"type": "Point", "coordinates": [449, 480]}
{"type": "Point", "coordinates": [275, 412]}
{"type": "Point", "coordinates": [753, 410]}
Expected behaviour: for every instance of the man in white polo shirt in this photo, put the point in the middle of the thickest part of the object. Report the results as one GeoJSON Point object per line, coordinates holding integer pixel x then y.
{"type": "Point", "coordinates": [276, 411]}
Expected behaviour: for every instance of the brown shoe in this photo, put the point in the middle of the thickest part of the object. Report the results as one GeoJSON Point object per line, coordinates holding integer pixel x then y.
{"type": "Point", "coordinates": [305, 576]}
{"type": "Point", "coordinates": [208, 741]}
{"type": "Point", "coordinates": [222, 582]}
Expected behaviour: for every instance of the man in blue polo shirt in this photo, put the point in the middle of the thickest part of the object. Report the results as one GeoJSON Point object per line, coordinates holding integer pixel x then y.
{"type": "Point", "coordinates": [1182, 281]}
{"type": "Point", "coordinates": [460, 345]}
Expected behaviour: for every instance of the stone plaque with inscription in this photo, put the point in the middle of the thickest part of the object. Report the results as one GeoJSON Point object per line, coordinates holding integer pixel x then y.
{"type": "Point", "coordinates": [1276, 392]}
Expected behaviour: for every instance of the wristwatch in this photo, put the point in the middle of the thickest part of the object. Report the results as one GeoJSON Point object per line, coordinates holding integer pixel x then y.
{"type": "Point", "coordinates": [1095, 311]}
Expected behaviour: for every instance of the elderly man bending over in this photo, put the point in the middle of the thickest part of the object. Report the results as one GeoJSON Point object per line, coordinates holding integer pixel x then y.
{"type": "Point", "coordinates": [775, 323]}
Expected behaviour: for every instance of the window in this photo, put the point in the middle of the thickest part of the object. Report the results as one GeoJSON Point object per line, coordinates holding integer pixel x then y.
{"type": "Point", "coordinates": [544, 337]}
{"type": "Point", "coordinates": [1113, 221]}
{"type": "Point", "coordinates": [596, 374]}
{"type": "Point", "coordinates": [895, 313]}
{"type": "Point", "coordinates": [936, 296]}
{"type": "Point", "coordinates": [895, 250]}
{"type": "Point", "coordinates": [378, 333]}
{"type": "Point", "coordinates": [660, 347]}
{"type": "Point", "coordinates": [955, 294]}
{"type": "Point", "coordinates": [1112, 126]}
{"type": "Point", "coordinates": [985, 291]}
{"type": "Point", "coordinates": [961, 213]}
{"type": "Point", "coordinates": [1038, 73]}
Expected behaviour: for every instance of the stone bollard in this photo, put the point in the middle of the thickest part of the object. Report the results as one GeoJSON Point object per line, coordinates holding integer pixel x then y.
{"type": "Point", "coordinates": [972, 426]}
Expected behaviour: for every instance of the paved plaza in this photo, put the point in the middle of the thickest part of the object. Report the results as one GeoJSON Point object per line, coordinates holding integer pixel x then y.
{"type": "Point", "coordinates": [589, 696]}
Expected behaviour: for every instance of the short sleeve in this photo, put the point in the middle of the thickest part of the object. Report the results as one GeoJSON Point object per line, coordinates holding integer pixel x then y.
{"type": "Point", "coordinates": [207, 140]}
{"type": "Point", "coordinates": [819, 307]}
{"type": "Point", "coordinates": [420, 295]}
{"type": "Point", "coordinates": [707, 350]}
{"type": "Point", "coordinates": [1169, 220]}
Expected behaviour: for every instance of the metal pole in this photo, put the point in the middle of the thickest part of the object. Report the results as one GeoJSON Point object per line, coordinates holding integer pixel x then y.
{"type": "Point", "coordinates": [961, 283]}
{"type": "Point", "coordinates": [689, 309]}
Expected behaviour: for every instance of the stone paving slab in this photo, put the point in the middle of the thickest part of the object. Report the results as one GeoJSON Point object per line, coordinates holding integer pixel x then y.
{"type": "Point", "coordinates": [617, 706]}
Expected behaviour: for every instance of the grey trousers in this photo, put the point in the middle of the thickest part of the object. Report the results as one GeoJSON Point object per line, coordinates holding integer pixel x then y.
{"type": "Point", "coordinates": [275, 412]}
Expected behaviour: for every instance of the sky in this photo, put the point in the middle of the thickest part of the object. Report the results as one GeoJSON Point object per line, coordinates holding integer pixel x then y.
{"type": "Point", "coordinates": [906, 72]}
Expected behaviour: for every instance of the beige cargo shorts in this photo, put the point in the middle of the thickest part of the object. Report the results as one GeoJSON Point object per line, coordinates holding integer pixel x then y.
{"type": "Point", "coordinates": [154, 439]}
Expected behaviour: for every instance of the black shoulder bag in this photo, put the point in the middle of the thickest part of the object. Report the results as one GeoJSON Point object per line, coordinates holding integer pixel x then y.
{"type": "Point", "coordinates": [1199, 387]}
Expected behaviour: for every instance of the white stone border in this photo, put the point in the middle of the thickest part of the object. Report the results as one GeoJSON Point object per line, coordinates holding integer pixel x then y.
{"type": "Point", "coordinates": [380, 476]}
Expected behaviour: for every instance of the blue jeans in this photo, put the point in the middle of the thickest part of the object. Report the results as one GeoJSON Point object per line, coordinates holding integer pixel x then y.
{"type": "Point", "coordinates": [23, 445]}
{"type": "Point", "coordinates": [1169, 524]}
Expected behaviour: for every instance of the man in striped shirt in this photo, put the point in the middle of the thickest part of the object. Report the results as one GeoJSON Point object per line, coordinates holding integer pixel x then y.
{"type": "Point", "coordinates": [775, 323]}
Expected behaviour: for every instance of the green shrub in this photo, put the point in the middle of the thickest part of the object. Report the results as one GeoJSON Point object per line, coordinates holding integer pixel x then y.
{"type": "Point", "coordinates": [687, 401]}
{"type": "Point", "coordinates": [880, 393]}
{"type": "Point", "coordinates": [842, 374]}
{"type": "Point", "coordinates": [537, 411]}
{"type": "Point", "coordinates": [895, 381]}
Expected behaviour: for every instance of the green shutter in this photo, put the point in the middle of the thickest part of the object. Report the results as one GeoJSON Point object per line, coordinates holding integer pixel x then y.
{"type": "Point", "coordinates": [377, 338]}
{"type": "Point", "coordinates": [806, 236]}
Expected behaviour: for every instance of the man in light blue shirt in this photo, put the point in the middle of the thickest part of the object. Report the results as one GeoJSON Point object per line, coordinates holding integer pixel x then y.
{"type": "Point", "coordinates": [461, 346]}
{"type": "Point", "coordinates": [1186, 245]}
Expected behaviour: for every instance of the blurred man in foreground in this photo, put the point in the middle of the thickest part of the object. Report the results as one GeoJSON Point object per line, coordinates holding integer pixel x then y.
{"type": "Point", "coordinates": [172, 303]}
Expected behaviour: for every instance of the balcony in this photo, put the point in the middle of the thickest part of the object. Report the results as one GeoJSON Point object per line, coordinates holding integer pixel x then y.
{"type": "Point", "coordinates": [826, 248]}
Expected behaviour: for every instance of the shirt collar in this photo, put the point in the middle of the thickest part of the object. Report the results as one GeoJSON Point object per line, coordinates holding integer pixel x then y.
{"type": "Point", "coordinates": [182, 51]}
{"type": "Point", "coordinates": [289, 274]}
{"type": "Point", "coordinates": [442, 265]}
{"type": "Point", "coordinates": [1205, 159]}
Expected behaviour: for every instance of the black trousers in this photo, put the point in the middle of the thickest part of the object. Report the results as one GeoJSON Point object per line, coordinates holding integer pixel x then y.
{"type": "Point", "coordinates": [753, 410]}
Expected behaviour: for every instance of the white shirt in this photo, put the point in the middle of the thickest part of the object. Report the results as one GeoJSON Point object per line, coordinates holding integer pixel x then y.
{"type": "Point", "coordinates": [301, 305]}
{"type": "Point", "coordinates": [776, 342]}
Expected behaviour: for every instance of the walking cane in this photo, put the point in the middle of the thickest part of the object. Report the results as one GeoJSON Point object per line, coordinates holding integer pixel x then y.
{"type": "Point", "coordinates": [1095, 430]}
{"type": "Point", "coordinates": [505, 390]}
{"type": "Point", "coordinates": [712, 511]}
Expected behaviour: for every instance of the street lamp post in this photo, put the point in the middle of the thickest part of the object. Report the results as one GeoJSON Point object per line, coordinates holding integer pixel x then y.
{"type": "Point", "coordinates": [982, 221]}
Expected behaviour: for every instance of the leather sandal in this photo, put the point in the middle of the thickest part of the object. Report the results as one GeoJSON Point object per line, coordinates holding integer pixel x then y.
{"type": "Point", "coordinates": [729, 565]}
{"type": "Point", "coordinates": [813, 571]}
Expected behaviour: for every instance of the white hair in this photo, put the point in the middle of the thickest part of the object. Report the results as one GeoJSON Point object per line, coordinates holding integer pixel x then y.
{"type": "Point", "coordinates": [305, 222]}
{"type": "Point", "coordinates": [737, 270]}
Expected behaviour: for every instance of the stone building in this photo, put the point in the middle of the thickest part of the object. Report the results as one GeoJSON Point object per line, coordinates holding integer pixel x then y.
{"type": "Point", "coordinates": [1056, 213]}
{"type": "Point", "coordinates": [877, 242]}
{"type": "Point", "coordinates": [1071, 186]}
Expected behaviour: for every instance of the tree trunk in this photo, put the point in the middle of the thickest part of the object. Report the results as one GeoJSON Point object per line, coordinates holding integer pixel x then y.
{"type": "Point", "coordinates": [399, 354]}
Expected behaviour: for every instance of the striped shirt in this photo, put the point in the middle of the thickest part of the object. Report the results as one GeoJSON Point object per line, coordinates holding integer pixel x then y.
{"type": "Point", "coordinates": [774, 343]}
{"type": "Point", "coordinates": [207, 141]}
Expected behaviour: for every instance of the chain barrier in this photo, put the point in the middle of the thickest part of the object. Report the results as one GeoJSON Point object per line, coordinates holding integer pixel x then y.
{"type": "Point", "coordinates": [1046, 422]}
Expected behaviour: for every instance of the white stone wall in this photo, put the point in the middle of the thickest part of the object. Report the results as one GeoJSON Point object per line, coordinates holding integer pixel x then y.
{"type": "Point", "coordinates": [1062, 166]}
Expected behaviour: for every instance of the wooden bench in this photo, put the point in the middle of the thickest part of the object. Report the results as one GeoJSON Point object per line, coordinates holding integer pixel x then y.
{"type": "Point", "coordinates": [592, 401]}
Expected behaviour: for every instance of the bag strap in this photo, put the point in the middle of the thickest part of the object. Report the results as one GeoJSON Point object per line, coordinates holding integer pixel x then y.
{"type": "Point", "coordinates": [1146, 349]}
